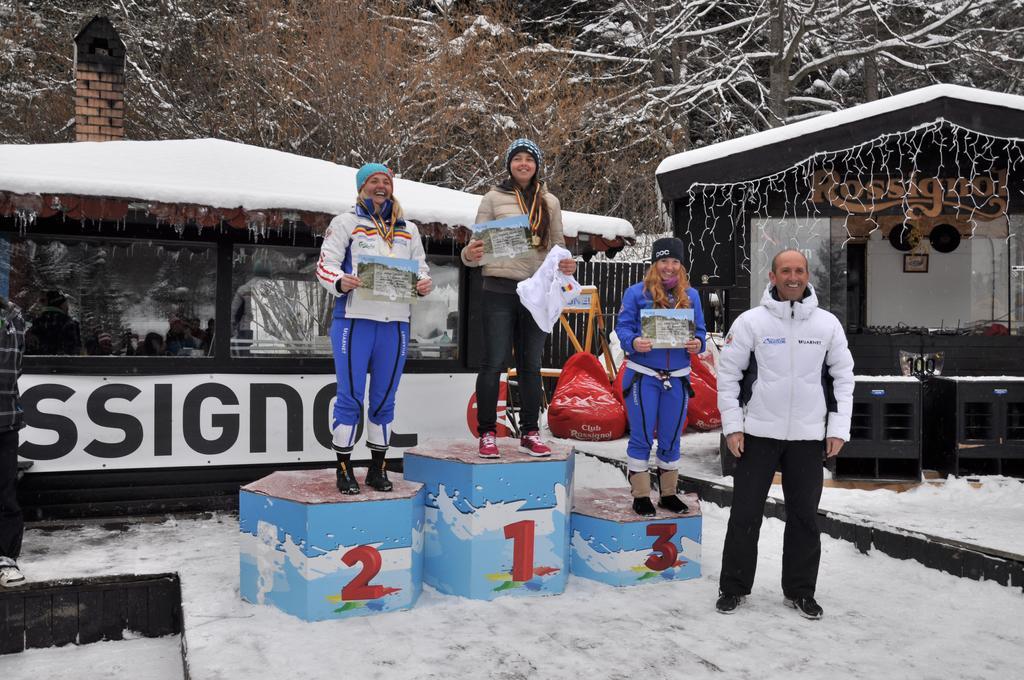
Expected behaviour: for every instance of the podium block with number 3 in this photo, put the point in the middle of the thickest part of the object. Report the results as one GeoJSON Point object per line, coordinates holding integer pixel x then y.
{"type": "Point", "coordinates": [493, 527]}
{"type": "Point", "coordinates": [314, 553]}
{"type": "Point", "coordinates": [612, 544]}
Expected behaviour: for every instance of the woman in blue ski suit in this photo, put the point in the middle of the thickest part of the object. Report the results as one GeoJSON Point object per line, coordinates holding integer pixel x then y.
{"type": "Point", "coordinates": [656, 383]}
{"type": "Point", "coordinates": [368, 335]}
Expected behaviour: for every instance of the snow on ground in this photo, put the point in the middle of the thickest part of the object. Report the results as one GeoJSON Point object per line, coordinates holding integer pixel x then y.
{"type": "Point", "coordinates": [985, 511]}
{"type": "Point", "coordinates": [138, 659]}
{"type": "Point", "coordinates": [884, 618]}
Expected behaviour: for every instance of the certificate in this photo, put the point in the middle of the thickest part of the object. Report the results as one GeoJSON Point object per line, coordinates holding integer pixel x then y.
{"type": "Point", "coordinates": [505, 238]}
{"type": "Point", "coordinates": [667, 328]}
{"type": "Point", "coordinates": [386, 279]}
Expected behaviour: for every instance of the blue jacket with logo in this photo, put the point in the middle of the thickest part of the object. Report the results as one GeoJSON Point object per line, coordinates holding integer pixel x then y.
{"type": "Point", "coordinates": [627, 328]}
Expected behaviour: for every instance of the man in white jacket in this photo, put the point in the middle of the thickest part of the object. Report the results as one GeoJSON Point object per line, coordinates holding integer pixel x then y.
{"type": "Point", "coordinates": [785, 392]}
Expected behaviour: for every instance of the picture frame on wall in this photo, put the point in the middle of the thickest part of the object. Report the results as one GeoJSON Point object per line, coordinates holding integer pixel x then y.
{"type": "Point", "coordinates": [915, 263]}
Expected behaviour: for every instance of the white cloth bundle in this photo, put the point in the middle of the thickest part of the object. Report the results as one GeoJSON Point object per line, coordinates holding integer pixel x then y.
{"type": "Point", "coordinates": [547, 292]}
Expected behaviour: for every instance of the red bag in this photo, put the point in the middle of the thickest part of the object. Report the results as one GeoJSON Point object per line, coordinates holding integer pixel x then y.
{"type": "Point", "coordinates": [702, 412]}
{"type": "Point", "coordinates": [618, 383]}
{"type": "Point", "coordinates": [585, 406]}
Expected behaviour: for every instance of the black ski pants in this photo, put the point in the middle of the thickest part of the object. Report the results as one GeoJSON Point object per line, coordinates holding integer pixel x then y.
{"type": "Point", "coordinates": [800, 463]}
{"type": "Point", "coordinates": [12, 527]}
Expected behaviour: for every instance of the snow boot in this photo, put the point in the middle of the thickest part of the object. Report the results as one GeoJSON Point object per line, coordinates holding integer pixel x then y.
{"type": "Point", "coordinates": [640, 487]}
{"type": "Point", "coordinates": [377, 475]}
{"type": "Point", "coordinates": [668, 484]}
{"type": "Point", "coordinates": [346, 477]}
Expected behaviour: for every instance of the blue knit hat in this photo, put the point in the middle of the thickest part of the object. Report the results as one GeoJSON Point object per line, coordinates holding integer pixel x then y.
{"type": "Point", "coordinates": [527, 145]}
{"type": "Point", "coordinates": [368, 171]}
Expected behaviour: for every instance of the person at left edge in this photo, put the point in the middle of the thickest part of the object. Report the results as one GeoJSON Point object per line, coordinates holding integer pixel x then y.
{"type": "Point", "coordinates": [365, 335]}
{"type": "Point", "coordinates": [12, 525]}
{"type": "Point", "coordinates": [656, 382]}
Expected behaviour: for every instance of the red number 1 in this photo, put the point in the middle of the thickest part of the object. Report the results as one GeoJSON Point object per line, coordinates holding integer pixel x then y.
{"type": "Point", "coordinates": [359, 588]}
{"type": "Point", "coordinates": [521, 534]}
{"type": "Point", "coordinates": [664, 545]}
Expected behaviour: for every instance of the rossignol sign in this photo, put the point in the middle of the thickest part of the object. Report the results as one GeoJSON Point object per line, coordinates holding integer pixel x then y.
{"type": "Point", "coordinates": [90, 423]}
{"type": "Point", "coordinates": [982, 196]}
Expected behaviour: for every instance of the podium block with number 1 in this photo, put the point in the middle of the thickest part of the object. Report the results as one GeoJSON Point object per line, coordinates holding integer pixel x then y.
{"type": "Point", "coordinates": [493, 527]}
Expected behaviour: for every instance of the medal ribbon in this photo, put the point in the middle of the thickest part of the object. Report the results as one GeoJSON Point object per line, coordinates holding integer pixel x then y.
{"type": "Point", "coordinates": [384, 231]}
{"type": "Point", "coordinates": [533, 214]}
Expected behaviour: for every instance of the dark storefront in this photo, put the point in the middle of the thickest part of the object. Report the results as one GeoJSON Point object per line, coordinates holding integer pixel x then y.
{"type": "Point", "coordinates": [909, 210]}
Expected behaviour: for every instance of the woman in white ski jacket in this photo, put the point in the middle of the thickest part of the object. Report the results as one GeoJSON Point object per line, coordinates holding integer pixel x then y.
{"type": "Point", "coordinates": [368, 335]}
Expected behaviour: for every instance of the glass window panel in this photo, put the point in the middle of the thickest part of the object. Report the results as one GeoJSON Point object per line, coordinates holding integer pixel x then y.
{"type": "Point", "coordinates": [113, 297]}
{"type": "Point", "coordinates": [278, 307]}
{"type": "Point", "coordinates": [990, 271]}
{"type": "Point", "coordinates": [1016, 292]}
{"type": "Point", "coordinates": [434, 326]}
{"type": "Point", "coordinates": [812, 236]}
{"type": "Point", "coordinates": [965, 290]}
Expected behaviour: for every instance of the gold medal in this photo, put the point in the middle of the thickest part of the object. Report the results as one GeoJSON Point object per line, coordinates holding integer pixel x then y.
{"type": "Point", "coordinates": [533, 215]}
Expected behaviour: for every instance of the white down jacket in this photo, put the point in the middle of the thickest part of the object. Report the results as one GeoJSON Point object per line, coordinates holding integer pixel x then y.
{"type": "Point", "coordinates": [782, 356]}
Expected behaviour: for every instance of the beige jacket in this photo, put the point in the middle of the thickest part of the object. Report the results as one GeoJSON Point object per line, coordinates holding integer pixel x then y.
{"type": "Point", "coordinates": [498, 204]}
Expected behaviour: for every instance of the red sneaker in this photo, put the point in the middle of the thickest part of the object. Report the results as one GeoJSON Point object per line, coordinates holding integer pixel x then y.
{"type": "Point", "coordinates": [530, 443]}
{"type": "Point", "coordinates": [488, 446]}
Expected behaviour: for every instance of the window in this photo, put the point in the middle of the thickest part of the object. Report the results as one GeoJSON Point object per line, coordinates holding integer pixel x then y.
{"type": "Point", "coordinates": [811, 236]}
{"type": "Point", "coordinates": [109, 297]}
{"type": "Point", "coordinates": [434, 325]}
{"type": "Point", "coordinates": [279, 308]}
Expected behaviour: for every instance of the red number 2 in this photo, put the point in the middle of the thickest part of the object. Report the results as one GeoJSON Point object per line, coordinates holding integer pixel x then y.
{"type": "Point", "coordinates": [664, 546]}
{"type": "Point", "coordinates": [521, 534]}
{"type": "Point", "coordinates": [359, 588]}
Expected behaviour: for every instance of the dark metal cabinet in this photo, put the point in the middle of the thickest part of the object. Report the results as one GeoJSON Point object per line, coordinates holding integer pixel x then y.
{"type": "Point", "coordinates": [885, 432]}
{"type": "Point", "coordinates": [975, 426]}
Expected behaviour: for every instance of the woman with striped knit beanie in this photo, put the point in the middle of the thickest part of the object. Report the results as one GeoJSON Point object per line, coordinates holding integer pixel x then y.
{"type": "Point", "coordinates": [507, 324]}
{"type": "Point", "coordinates": [368, 335]}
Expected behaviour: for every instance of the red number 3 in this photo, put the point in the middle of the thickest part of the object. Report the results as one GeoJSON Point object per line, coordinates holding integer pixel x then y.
{"type": "Point", "coordinates": [359, 588]}
{"type": "Point", "coordinates": [521, 534]}
{"type": "Point", "coordinates": [663, 545]}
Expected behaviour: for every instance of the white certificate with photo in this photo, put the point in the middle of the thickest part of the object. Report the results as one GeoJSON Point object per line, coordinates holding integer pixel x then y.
{"type": "Point", "coordinates": [506, 238]}
{"type": "Point", "coordinates": [386, 279]}
{"type": "Point", "coordinates": [667, 328]}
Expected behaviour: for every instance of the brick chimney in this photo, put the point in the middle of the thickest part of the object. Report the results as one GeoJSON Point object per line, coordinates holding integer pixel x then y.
{"type": "Point", "coordinates": [99, 83]}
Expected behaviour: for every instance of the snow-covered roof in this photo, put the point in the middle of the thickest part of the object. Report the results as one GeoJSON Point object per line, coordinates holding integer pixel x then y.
{"type": "Point", "coordinates": [223, 174]}
{"type": "Point", "coordinates": [793, 131]}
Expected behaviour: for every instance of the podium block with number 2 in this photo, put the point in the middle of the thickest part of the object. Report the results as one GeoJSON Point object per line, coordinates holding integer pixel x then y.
{"type": "Point", "coordinates": [314, 553]}
{"type": "Point", "coordinates": [612, 544]}
{"type": "Point", "coordinates": [493, 527]}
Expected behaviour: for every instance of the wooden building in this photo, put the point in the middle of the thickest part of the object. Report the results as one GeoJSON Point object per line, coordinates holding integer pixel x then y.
{"type": "Point", "coordinates": [910, 210]}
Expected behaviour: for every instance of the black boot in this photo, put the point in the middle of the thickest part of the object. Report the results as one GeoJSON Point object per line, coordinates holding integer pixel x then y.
{"type": "Point", "coordinates": [673, 504]}
{"type": "Point", "coordinates": [347, 483]}
{"type": "Point", "coordinates": [377, 475]}
{"type": "Point", "coordinates": [644, 507]}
